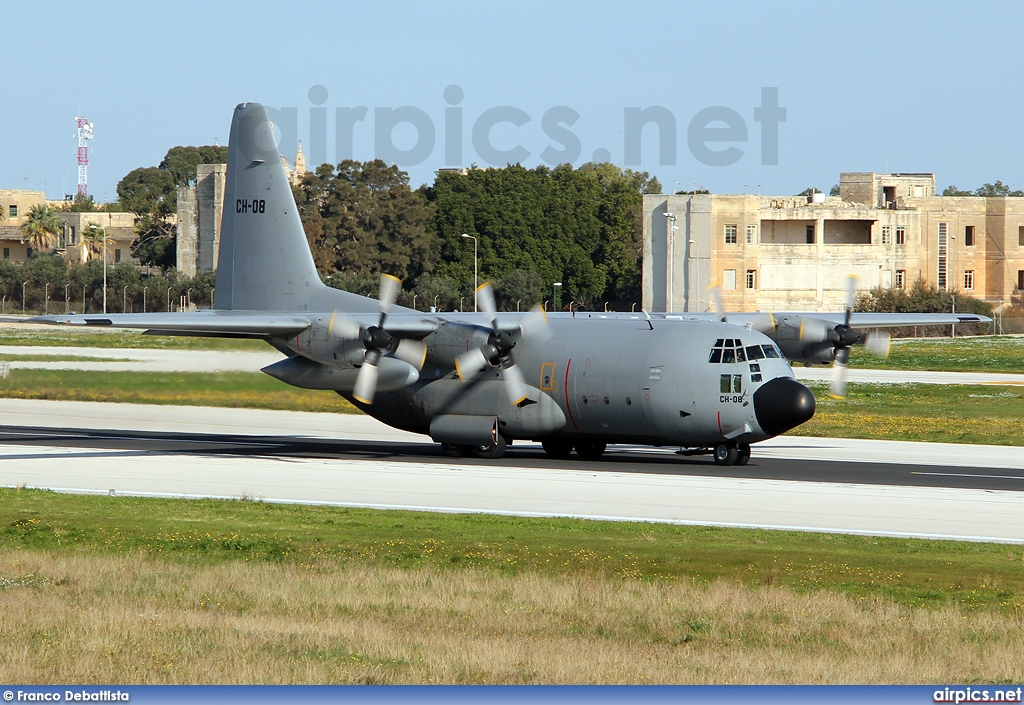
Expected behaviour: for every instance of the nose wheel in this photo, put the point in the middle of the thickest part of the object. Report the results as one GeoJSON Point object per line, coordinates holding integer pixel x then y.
{"type": "Point", "coordinates": [732, 454]}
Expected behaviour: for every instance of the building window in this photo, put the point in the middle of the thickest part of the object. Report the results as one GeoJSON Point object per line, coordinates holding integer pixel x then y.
{"type": "Point", "coordinates": [969, 236]}
{"type": "Point", "coordinates": [1020, 235]}
{"type": "Point", "coordinates": [12, 211]}
{"type": "Point", "coordinates": [810, 234]}
{"type": "Point", "coordinates": [886, 234]}
{"type": "Point", "coordinates": [751, 278]}
{"type": "Point", "coordinates": [901, 279]}
{"type": "Point", "coordinates": [117, 255]}
{"type": "Point", "coordinates": [901, 234]}
{"type": "Point", "coordinates": [1020, 279]}
{"type": "Point", "coordinates": [72, 235]}
{"type": "Point", "coordinates": [969, 279]}
{"type": "Point", "coordinates": [729, 279]}
{"type": "Point", "coordinates": [730, 234]}
{"type": "Point", "coordinates": [751, 234]}
{"type": "Point", "coordinates": [7, 253]}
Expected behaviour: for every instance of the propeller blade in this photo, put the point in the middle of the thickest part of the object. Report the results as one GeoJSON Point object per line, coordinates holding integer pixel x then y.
{"type": "Point", "coordinates": [469, 363]}
{"type": "Point", "coordinates": [838, 388]}
{"type": "Point", "coordinates": [366, 383]}
{"type": "Point", "coordinates": [388, 292]}
{"type": "Point", "coordinates": [535, 324]}
{"type": "Point", "coordinates": [343, 327]}
{"type": "Point", "coordinates": [716, 299]}
{"type": "Point", "coordinates": [485, 299]}
{"type": "Point", "coordinates": [813, 330]}
{"type": "Point", "coordinates": [851, 294]}
{"type": "Point", "coordinates": [412, 351]}
{"type": "Point", "coordinates": [515, 385]}
{"type": "Point", "coordinates": [877, 343]}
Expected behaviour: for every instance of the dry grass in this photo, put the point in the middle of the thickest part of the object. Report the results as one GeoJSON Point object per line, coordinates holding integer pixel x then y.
{"type": "Point", "coordinates": [137, 619]}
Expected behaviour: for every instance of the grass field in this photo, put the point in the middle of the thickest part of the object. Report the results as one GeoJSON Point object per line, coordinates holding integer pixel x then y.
{"type": "Point", "coordinates": [75, 336]}
{"type": "Point", "coordinates": [102, 589]}
{"type": "Point", "coordinates": [976, 354]}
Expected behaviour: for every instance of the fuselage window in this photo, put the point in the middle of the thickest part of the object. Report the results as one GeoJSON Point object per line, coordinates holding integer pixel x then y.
{"type": "Point", "coordinates": [737, 384]}
{"type": "Point", "coordinates": [726, 381]}
{"type": "Point", "coordinates": [770, 351]}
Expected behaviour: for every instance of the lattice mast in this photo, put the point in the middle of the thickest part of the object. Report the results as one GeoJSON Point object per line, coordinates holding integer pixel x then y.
{"type": "Point", "coordinates": [84, 134]}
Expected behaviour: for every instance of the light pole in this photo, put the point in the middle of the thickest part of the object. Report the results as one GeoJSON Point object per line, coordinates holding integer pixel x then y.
{"type": "Point", "coordinates": [213, 293]}
{"type": "Point", "coordinates": [67, 298]}
{"type": "Point", "coordinates": [470, 237]}
{"type": "Point", "coordinates": [188, 298]}
{"type": "Point", "coordinates": [23, 298]}
{"type": "Point", "coordinates": [462, 303]}
{"type": "Point", "coordinates": [144, 298]}
{"type": "Point", "coordinates": [124, 300]}
{"type": "Point", "coordinates": [670, 237]}
{"type": "Point", "coordinates": [435, 303]}
{"type": "Point", "coordinates": [46, 299]}
{"type": "Point", "coordinates": [517, 305]}
{"type": "Point", "coordinates": [554, 296]}
{"type": "Point", "coordinates": [414, 296]}
{"type": "Point", "coordinates": [104, 272]}
{"type": "Point", "coordinates": [169, 299]}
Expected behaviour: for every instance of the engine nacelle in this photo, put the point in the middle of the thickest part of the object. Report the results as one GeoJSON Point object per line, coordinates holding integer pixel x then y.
{"type": "Point", "coordinates": [302, 372]}
{"type": "Point", "coordinates": [806, 340]}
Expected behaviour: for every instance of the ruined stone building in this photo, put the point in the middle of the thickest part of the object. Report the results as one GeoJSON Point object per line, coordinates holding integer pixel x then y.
{"type": "Point", "coordinates": [795, 252]}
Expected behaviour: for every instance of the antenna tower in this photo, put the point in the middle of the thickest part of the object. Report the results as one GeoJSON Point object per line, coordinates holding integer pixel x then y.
{"type": "Point", "coordinates": [84, 134]}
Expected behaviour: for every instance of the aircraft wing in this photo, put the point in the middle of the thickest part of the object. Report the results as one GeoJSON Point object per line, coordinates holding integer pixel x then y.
{"type": "Point", "coordinates": [241, 324]}
{"type": "Point", "coordinates": [877, 320]}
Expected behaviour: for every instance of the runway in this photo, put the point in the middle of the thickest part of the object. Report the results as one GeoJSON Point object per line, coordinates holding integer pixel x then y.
{"type": "Point", "coordinates": [862, 487]}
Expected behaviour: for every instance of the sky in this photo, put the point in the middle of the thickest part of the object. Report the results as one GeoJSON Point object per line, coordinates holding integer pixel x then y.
{"type": "Point", "coordinates": [869, 86]}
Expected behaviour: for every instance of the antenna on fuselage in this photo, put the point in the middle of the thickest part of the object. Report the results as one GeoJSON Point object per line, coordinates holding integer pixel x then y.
{"type": "Point", "coordinates": [648, 317]}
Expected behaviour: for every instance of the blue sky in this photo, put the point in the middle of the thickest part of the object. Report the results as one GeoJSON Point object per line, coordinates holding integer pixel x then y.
{"type": "Point", "coordinates": [867, 86]}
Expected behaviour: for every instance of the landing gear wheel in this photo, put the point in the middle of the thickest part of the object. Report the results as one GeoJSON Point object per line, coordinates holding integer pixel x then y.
{"type": "Point", "coordinates": [491, 450]}
{"type": "Point", "coordinates": [590, 450]}
{"type": "Point", "coordinates": [557, 448]}
{"type": "Point", "coordinates": [725, 454]}
{"type": "Point", "coordinates": [454, 450]}
{"type": "Point", "coordinates": [743, 454]}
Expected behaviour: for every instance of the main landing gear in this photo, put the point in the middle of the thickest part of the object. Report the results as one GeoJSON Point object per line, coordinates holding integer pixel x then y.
{"type": "Point", "coordinates": [732, 454]}
{"type": "Point", "coordinates": [490, 451]}
{"type": "Point", "coordinates": [560, 448]}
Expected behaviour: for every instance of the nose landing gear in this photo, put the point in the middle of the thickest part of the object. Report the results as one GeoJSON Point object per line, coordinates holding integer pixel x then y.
{"type": "Point", "coordinates": [732, 454]}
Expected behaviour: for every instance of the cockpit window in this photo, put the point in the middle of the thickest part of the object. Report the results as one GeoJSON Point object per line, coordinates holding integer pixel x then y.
{"type": "Point", "coordinates": [728, 355]}
{"type": "Point", "coordinates": [770, 351]}
{"type": "Point", "coordinates": [740, 355]}
{"type": "Point", "coordinates": [716, 355]}
{"type": "Point", "coordinates": [754, 352]}
{"type": "Point", "coordinates": [732, 350]}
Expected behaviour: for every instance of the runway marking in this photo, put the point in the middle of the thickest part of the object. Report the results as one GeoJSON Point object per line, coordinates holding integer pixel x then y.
{"type": "Point", "coordinates": [967, 474]}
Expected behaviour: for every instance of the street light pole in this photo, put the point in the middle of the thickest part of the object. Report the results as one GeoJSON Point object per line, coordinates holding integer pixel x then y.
{"type": "Point", "coordinates": [435, 303]}
{"type": "Point", "coordinates": [475, 283]}
{"type": "Point", "coordinates": [46, 299]}
{"type": "Point", "coordinates": [414, 301]}
{"type": "Point", "coordinates": [693, 248]}
{"type": "Point", "coordinates": [144, 298]}
{"type": "Point", "coordinates": [67, 298]}
{"type": "Point", "coordinates": [23, 298]}
{"type": "Point", "coordinates": [554, 296]}
{"type": "Point", "coordinates": [104, 272]}
{"type": "Point", "coordinates": [124, 300]}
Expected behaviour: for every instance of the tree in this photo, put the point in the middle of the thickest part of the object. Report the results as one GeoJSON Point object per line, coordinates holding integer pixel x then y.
{"type": "Point", "coordinates": [809, 191]}
{"type": "Point", "coordinates": [361, 218]}
{"type": "Point", "coordinates": [181, 162]}
{"type": "Point", "coordinates": [834, 191]}
{"type": "Point", "coordinates": [155, 243]}
{"type": "Point", "coordinates": [42, 226]}
{"type": "Point", "coordinates": [148, 191]}
{"type": "Point", "coordinates": [998, 189]}
{"type": "Point", "coordinates": [952, 190]}
{"type": "Point", "coordinates": [93, 238]}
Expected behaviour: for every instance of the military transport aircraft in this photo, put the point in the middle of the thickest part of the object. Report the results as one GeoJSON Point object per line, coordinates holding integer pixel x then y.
{"type": "Point", "coordinates": [475, 382]}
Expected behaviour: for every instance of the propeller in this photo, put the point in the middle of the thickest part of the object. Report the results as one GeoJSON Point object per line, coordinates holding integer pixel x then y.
{"type": "Point", "coordinates": [761, 322]}
{"type": "Point", "coordinates": [497, 351]}
{"type": "Point", "coordinates": [377, 341]}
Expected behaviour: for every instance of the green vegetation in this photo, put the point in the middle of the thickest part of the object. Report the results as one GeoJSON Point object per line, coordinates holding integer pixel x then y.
{"type": "Point", "coordinates": [906, 571]}
{"type": "Point", "coordinates": [80, 336]}
{"type": "Point", "coordinates": [230, 389]}
{"type": "Point", "coordinates": [989, 414]}
{"type": "Point", "coordinates": [4, 357]}
{"type": "Point", "coordinates": [975, 354]}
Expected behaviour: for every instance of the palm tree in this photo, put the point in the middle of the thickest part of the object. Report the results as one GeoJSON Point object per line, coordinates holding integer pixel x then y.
{"type": "Point", "coordinates": [42, 226]}
{"type": "Point", "coordinates": [93, 238]}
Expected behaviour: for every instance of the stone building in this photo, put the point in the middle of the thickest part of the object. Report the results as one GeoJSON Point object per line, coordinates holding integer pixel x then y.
{"type": "Point", "coordinates": [795, 252]}
{"type": "Point", "coordinates": [14, 208]}
{"type": "Point", "coordinates": [200, 210]}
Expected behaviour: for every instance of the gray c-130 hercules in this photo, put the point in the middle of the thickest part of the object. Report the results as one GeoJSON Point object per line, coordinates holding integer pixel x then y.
{"type": "Point", "coordinates": [477, 381]}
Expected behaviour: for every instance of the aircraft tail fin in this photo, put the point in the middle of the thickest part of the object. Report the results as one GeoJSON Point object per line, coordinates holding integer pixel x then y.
{"type": "Point", "coordinates": [264, 263]}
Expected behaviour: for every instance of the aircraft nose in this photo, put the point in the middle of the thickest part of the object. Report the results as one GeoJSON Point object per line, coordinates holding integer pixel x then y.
{"type": "Point", "coordinates": [781, 404]}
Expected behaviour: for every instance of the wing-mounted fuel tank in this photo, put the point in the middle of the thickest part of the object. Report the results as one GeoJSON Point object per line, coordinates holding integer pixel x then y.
{"type": "Point", "coordinates": [535, 417]}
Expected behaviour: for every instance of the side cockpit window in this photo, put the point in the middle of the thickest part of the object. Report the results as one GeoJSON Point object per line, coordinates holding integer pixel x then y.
{"type": "Point", "coordinates": [731, 350]}
{"type": "Point", "coordinates": [770, 351]}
